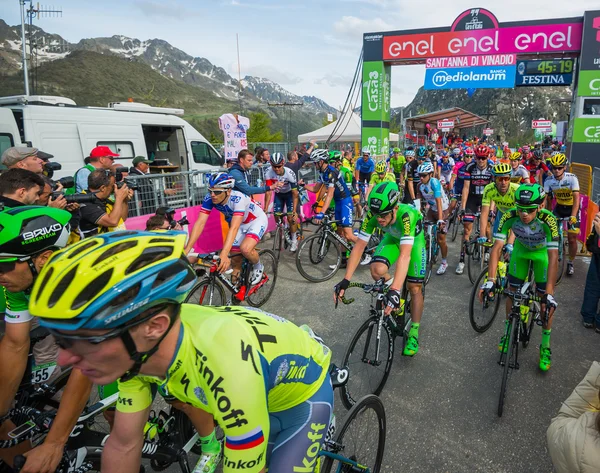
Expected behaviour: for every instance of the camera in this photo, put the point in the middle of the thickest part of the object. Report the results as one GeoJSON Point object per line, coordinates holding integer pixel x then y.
{"type": "Point", "coordinates": [75, 198]}
{"type": "Point", "coordinates": [67, 183]}
{"type": "Point", "coordinates": [49, 168]}
{"type": "Point", "coordinates": [119, 172]}
{"type": "Point", "coordinates": [130, 183]}
{"type": "Point", "coordinates": [169, 214]}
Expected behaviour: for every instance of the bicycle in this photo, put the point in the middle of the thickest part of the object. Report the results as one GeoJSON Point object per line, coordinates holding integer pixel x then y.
{"type": "Point", "coordinates": [373, 351]}
{"type": "Point", "coordinates": [563, 249]}
{"type": "Point", "coordinates": [432, 248]}
{"type": "Point", "coordinates": [482, 320]}
{"type": "Point", "coordinates": [477, 253]}
{"type": "Point", "coordinates": [454, 221]}
{"type": "Point", "coordinates": [210, 289]}
{"type": "Point", "coordinates": [319, 256]}
{"type": "Point", "coordinates": [282, 237]}
{"type": "Point", "coordinates": [524, 314]}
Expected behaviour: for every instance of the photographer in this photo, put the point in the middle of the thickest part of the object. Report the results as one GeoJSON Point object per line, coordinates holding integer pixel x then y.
{"type": "Point", "coordinates": [31, 159]}
{"type": "Point", "coordinates": [20, 187]}
{"type": "Point", "coordinates": [101, 157]}
{"type": "Point", "coordinates": [104, 215]}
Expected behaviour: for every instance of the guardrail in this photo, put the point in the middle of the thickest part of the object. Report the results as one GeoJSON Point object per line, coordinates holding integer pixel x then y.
{"type": "Point", "coordinates": [187, 189]}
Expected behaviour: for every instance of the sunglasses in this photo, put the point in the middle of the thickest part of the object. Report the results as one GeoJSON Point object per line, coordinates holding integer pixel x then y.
{"type": "Point", "coordinates": [216, 192]}
{"type": "Point", "coordinates": [277, 167]}
{"type": "Point", "coordinates": [8, 266]}
{"type": "Point", "coordinates": [558, 168]}
{"type": "Point", "coordinates": [524, 210]}
{"type": "Point", "coordinates": [383, 215]}
{"type": "Point", "coordinates": [503, 179]}
{"type": "Point", "coordinates": [482, 159]}
{"type": "Point", "coordinates": [423, 175]}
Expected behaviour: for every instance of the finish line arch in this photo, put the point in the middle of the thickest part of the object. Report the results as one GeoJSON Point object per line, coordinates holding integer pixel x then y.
{"type": "Point", "coordinates": [477, 33]}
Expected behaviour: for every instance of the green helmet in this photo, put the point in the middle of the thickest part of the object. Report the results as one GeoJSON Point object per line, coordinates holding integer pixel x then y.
{"type": "Point", "coordinates": [26, 231]}
{"type": "Point", "coordinates": [396, 150]}
{"type": "Point", "coordinates": [383, 198]}
{"type": "Point", "coordinates": [335, 156]}
{"type": "Point", "coordinates": [529, 196]}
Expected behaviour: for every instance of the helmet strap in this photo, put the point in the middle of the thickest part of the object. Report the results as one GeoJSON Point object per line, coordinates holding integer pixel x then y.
{"type": "Point", "coordinates": [34, 273]}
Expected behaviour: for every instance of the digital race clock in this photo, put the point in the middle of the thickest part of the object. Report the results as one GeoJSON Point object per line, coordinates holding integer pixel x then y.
{"type": "Point", "coordinates": [556, 66]}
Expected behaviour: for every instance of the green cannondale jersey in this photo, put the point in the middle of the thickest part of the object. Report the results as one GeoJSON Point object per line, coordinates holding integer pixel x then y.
{"type": "Point", "coordinates": [397, 164]}
{"type": "Point", "coordinates": [348, 175]}
{"type": "Point", "coordinates": [540, 234]}
{"type": "Point", "coordinates": [407, 227]}
{"type": "Point", "coordinates": [238, 364]}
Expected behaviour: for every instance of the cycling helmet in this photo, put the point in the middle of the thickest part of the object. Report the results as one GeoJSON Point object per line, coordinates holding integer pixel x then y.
{"type": "Point", "coordinates": [431, 148]}
{"type": "Point", "coordinates": [469, 152]}
{"type": "Point", "coordinates": [319, 155]}
{"type": "Point", "coordinates": [380, 167]}
{"type": "Point", "coordinates": [502, 169]}
{"type": "Point", "coordinates": [537, 153]}
{"type": "Point", "coordinates": [422, 152]}
{"type": "Point", "coordinates": [29, 230]}
{"type": "Point", "coordinates": [554, 153]}
{"type": "Point", "coordinates": [396, 150]}
{"type": "Point", "coordinates": [529, 196]}
{"type": "Point", "coordinates": [383, 198]}
{"type": "Point", "coordinates": [425, 168]}
{"type": "Point", "coordinates": [516, 156]}
{"type": "Point", "coordinates": [410, 153]}
{"type": "Point", "coordinates": [366, 151]}
{"type": "Point", "coordinates": [525, 148]}
{"type": "Point", "coordinates": [456, 151]}
{"type": "Point", "coordinates": [334, 156]}
{"type": "Point", "coordinates": [444, 153]}
{"type": "Point", "coordinates": [558, 160]}
{"type": "Point", "coordinates": [277, 159]}
{"type": "Point", "coordinates": [482, 151]}
{"type": "Point", "coordinates": [221, 180]}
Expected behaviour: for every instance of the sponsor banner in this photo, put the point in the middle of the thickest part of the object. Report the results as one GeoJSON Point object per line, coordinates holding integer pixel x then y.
{"type": "Point", "coordinates": [445, 124]}
{"type": "Point", "coordinates": [376, 92]}
{"type": "Point", "coordinates": [536, 124]}
{"type": "Point", "coordinates": [471, 61]}
{"type": "Point", "coordinates": [496, 77]}
{"type": "Point", "coordinates": [590, 48]}
{"type": "Point", "coordinates": [589, 84]}
{"type": "Point", "coordinates": [488, 131]}
{"type": "Point", "coordinates": [446, 130]}
{"type": "Point", "coordinates": [586, 130]}
{"type": "Point", "coordinates": [376, 139]}
{"type": "Point", "coordinates": [544, 80]}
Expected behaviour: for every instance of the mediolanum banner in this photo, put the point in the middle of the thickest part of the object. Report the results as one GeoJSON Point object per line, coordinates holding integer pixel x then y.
{"type": "Point", "coordinates": [489, 77]}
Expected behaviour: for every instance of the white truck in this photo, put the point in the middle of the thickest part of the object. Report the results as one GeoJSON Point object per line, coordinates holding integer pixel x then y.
{"type": "Point", "coordinates": [56, 125]}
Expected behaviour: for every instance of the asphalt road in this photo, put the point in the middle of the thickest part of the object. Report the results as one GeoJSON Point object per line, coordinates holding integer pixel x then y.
{"type": "Point", "coordinates": [441, 405]}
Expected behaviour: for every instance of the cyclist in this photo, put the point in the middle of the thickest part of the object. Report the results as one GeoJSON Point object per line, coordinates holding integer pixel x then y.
{"type": "Point", "coordinates": [536, 232]}
{"type": "Point", "coordinates": [413, 178]}
{"type": "Point", "coordinates": [457, 154]}
{"type": "Point", "coordinates": [247, 223]}
{"type": "Point", "coordinates": [22, 256]}
{"type": "Point", "coordinates": [364, 167]}
{"type": "Point", "coordinates": [518, 174]}
{"type": "Point", "coordinates": [444, 168]}
{"type": "Point", "coordinates": [284, 196]}
{"type": "Point", "coordinates": [478, 174]}
{"type": "Point", "coordinates": [535, 166]}
{"type": "Point", "coordinates": [502, 193]}
{"type": "Point", "coordinates": [409, 170]}
{"type": "Point", "coordinates": [403, 242]}
{"type": "Point", "coordinates": [431, 190]}
{"type": "Point", "coordinates": [457, 181]}
{"type": "Point", "coordinates": [397, 165]}
{"type": "Point", "coordinates": [381, 175]}
{"type": "Point", "coordinates": [564, 187]}
{"type": "Point", "coordinates": [263, 379]}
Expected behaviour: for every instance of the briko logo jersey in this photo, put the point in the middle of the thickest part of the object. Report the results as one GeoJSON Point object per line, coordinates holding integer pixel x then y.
{"type": "Point", "coordinates": [239, 364]}
{"type": "Point", "coordinates": [562, 188]}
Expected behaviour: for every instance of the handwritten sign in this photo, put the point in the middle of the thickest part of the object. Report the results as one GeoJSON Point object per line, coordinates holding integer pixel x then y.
{"type": "Point", "coordinates": [234, 129]}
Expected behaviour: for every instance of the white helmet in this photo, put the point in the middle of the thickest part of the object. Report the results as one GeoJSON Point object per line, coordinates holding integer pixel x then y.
{"type": "Point", "coordinates": [366, 151]}
{"type": "Point", "coordinates": [221, 180]}
{"type": "Point", "coordinates": [425, 168]}
{"type": "Point", "coordinates": [319, 155]}
{"type": "Point", "coordinates": [277, 159]}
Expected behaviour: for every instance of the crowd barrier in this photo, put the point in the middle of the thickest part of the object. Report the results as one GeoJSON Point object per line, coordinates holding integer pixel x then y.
{"type": "Point", "coordinates": [588, 207]}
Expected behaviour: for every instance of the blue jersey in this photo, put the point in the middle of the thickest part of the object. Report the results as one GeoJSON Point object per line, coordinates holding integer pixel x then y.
{"type": "Point", "coordinates": [366, 167]}
{"type": "Point", "coordinates": [332, 177]}
{"type": "Point", "coordinates": [432, 191]}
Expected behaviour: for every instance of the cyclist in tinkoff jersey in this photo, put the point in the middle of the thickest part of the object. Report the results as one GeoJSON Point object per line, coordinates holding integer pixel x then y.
{"type": "Point", "coordinates": [380, 175]}
{"type": "Point", "coordinates": [114, 305]}
{"type": "Point", "coordinates": [29, 235]}
{"type": "Point", "coordinates": [285, 196]}
{"type": "Point", "coordinates": [564, 187]}
{"type": "Point", "coordinates": [431, 190]}
{"type": "Point", "coordinates": [403, 242]}
{"type": "Point", "coordinates": [502, 193]}
{"type": "Point", "coordinates": [247, 223]}
{"type": "Point", "coordinates": [518, 173]}
{"type": "Point", "coordinates": [397, 165]}
{"type": "Point", "coordinates": [536, 232]}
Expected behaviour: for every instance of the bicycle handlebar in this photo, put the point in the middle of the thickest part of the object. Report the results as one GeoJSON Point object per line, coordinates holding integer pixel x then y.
{"type": "Point", "coordinates": [378, 287]}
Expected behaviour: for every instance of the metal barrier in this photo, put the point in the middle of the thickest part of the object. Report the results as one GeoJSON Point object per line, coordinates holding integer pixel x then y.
{"type": "Point", "coordinates": [595, 195]}
{"type": "Point", "coordinates": [187, 189]}
{"type": "Point", "coordinates": [584, 175]}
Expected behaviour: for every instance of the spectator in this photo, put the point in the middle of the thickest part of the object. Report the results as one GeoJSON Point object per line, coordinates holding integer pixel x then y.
{"type": "Point", "coordinates": [591, 294]}
{"type": "Point", "coordinates": [20, 187]}
{"type": "Point", "coordinates": [104, 215]}
{"type": "Point", "coordinates": [258, 153]}
{"type": "Point", "coordinates": [145, 190]}
{"type": "Point", "coordinates": [101, 157]}
{"type": "Point", "coordinates": [157, 222]}
{"type": "Point", "coordinates": [31, 159]}
{"type": "Point", "coordinates": [264, 157]}
{"type": "Point", "coordinates": [295, 162]}
{"type": "Point", "coordinates": [574, 434]}
{"type": "Point", "coordinates": [239, 171]}
{"type": "Point", "coordinates": [45, 197]}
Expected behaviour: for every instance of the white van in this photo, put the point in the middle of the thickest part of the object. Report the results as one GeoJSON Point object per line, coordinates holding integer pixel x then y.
{"type": "Point", "coordinates": [56, 125]}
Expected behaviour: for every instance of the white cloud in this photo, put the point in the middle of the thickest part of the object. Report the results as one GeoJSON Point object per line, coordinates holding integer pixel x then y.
{"type": "Point", "coordinates": [334, 80]}
{"type": "Point", "coordinates": [354, 27]}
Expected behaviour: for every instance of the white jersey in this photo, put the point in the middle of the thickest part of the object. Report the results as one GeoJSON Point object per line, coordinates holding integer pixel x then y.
{"type": "Point", "coordinates": [234, 134]}
{"type": "Point", "coordinates": [562, 189]}
{"type": "Point", "coordinates": [238, 204]}
{"type": "Point", "coordinates": [288, 178]}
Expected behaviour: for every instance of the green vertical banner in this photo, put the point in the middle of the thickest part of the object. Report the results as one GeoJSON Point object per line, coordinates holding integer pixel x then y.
{"type": "Point", "coordinates": [375, 108]}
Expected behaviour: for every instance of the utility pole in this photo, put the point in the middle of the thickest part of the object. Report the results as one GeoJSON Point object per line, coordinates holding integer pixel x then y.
{"type": "Point", "coordinates": [288, 119]}
{"type": "Point", "coordinates": [23, 47]}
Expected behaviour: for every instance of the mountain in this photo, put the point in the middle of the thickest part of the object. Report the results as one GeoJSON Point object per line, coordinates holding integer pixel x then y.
{"type": "Point", "coordinates": [510, 111]}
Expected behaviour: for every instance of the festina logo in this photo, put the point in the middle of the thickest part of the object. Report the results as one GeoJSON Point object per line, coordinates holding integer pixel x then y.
{"type": "Point", "coordinates": [544, 80]}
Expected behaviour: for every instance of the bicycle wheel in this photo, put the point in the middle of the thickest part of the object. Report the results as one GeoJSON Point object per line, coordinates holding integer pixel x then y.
{"type": "Point", "coordinates": [457, 223]}
{"type": "Point", "coordinates": [368, 376]}
{"type": "Point", "coordinates": [207, 292]}
{"type": "Point", "coordinates": [474, 261]}
{"type": "Point", "coordinates": [278, 241]}
{"type": "Point", "coordinates": [322, 249]}
{"type": "Point", "coordinates": [480, 316]}
{"type": "Point", "coordinates": [260, 293]}
{"type": "Point", "coordinates": [429, 266]}
{"type": "Point", "coordinates": [361, 438]}
{"type": "Point", "coordinates": [509, 363]}
{"type": "Point", "coordinates": [562, 260]}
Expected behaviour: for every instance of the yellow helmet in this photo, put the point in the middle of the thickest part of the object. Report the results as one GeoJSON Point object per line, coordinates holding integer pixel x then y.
{"type": "Point", "coordinates": [558, 160]}
{"type": "Point", "coordinates": [515, 156]}
{"type": "Point", "coordinates": [380, 167]}
{"type": "Point", "coordinates": [108, 280]}
{"type": "Point", "coordinates": [502, 169]}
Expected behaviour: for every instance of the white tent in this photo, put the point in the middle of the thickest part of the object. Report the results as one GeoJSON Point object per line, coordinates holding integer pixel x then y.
{"type": "Point", "coordinates": [347, 131]}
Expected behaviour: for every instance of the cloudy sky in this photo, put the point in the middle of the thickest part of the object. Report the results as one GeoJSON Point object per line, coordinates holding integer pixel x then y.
{"type": "Point", "coordinates": [310, 47]}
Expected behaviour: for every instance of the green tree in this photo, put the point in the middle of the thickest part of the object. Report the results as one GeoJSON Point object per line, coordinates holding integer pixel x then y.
{"type": "Point", "coordinates": [260, 129]}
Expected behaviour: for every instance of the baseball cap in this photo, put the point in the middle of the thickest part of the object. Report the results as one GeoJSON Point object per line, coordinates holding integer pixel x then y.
{"type": "Point", "coordinates": [101, 152]}
{"type": "Point", "coordinates": [13, 155]}
{"type": "Point", "coordinates": [140, 159]}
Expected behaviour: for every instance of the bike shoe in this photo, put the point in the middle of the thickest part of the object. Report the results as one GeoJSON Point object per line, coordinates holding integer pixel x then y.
{"type": "Point", "coordinates": [366, 259]}
{"type": "Point", "coordinates": [545, 358]}
{"type": "Point", "coordinates": [460, 268]}
{"type": "Point", "coordinates": [208, 462]}
{"type": "Point", "coordinates": [570, 269]}
{"type": "Point", "coordinates": [257, 274]}
{"type": "Point", "coordinates": [412, 346]}
{"type": "Point", "coordinates": [442, 269]}
{"type": "Point", "coordinates": [294, 246]}
{"type": "Point", "coordinates": [503, 344]}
